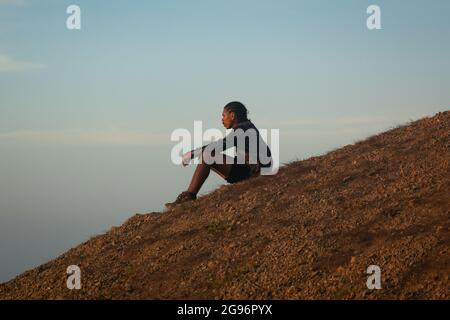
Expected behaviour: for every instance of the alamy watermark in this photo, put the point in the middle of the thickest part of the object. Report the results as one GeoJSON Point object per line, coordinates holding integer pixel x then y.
{"type": "Point", "coordinates": [374, 280]}
{"type": "Point", "coordinates": [73, 22]}
{"type": "Point", "coordinates": [251, 147]}
{"type": "Point", "coordinates": [74, 278]}
{"type": "Point", "coordinates": [374, 20]}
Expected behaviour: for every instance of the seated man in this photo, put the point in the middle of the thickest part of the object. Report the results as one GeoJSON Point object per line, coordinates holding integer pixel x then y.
{"type": "Point", "coordinates": [246, 164]}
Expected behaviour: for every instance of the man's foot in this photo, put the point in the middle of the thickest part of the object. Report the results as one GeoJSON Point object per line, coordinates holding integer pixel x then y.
{"type": "Point", "coordinates": [183, 197]}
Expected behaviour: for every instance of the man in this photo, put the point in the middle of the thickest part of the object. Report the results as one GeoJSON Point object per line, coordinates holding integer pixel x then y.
{"type": "Point", "coordinates": [252, 153]}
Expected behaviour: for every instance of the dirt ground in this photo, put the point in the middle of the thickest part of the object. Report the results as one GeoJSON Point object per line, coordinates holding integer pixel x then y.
{"type": "Point", "coordinates": [309, 232]}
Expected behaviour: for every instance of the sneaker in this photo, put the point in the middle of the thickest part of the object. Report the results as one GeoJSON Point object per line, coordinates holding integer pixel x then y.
{"type": "Point", "coordinates": [183, 197]}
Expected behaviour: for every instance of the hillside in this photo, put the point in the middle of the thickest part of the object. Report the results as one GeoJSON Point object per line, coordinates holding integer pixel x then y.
{"type": "Point", "coordinates": [309, 232]}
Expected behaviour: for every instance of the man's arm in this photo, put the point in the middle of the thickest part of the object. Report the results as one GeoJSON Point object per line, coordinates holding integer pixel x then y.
{"type": "Point", "coordinates": [223, 144]}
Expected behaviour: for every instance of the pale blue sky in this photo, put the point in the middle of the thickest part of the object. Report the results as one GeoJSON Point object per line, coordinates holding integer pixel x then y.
{"type": "Point", "coordinates": [157, 65]}
{"type": "Point", "coordinates": [86, 116]}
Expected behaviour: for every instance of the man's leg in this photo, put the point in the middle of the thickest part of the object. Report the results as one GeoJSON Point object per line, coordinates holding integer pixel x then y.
{"type": "Point", "coordinates": [202, 171]}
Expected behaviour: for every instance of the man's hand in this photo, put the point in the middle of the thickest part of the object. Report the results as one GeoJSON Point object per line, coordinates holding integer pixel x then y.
{"type": "Point", "coordinates": [186, 158]}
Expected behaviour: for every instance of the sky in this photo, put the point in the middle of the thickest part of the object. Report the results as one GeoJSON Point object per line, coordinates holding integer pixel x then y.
{"type": "Point", "coordinates": [86, 115]}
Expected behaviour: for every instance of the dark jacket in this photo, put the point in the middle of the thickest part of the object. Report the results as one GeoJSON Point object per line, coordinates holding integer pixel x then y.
{"type": "Point", "coordinates": [248, 145]}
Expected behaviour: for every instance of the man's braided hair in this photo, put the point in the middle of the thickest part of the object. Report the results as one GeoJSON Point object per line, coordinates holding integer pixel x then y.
{"type": "Point", "coordinates": [239, 110]}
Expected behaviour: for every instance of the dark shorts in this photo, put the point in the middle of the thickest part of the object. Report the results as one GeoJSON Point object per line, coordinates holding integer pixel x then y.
{"type": "Point", "coordinates": [238, 173]}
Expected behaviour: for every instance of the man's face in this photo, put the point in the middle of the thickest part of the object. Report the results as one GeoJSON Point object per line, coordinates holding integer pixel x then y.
{"type": "Point", "coordinates": [227, 119]}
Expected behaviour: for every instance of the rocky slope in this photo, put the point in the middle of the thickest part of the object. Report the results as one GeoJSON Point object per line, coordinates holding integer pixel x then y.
{"type": "Point", "coordinates": [309, 232]}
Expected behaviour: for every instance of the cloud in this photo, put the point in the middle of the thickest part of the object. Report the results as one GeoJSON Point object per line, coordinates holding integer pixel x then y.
{"type": "Point", "coordinates": [83, 137]}
{"type": "Point", "coordinates": [341, 124]}
{"type": "Point", "coordinates": [331, 121]}
{"type": "Point", "coordinates": [342, 128]}
{"type": "Point", "coordinates": [8, 64]}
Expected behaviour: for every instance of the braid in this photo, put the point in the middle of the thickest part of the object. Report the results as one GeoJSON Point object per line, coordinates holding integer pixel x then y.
{"type": "Point", "coordinates": [239, 110]}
